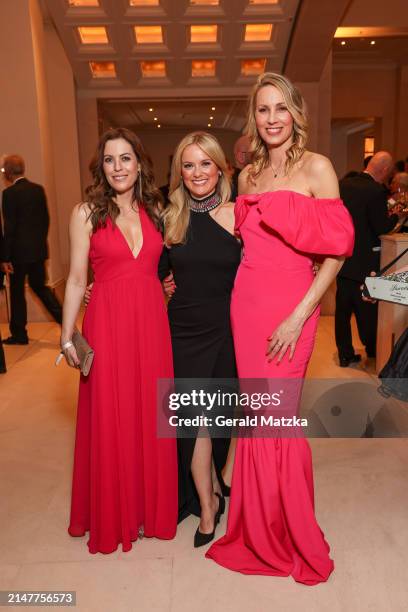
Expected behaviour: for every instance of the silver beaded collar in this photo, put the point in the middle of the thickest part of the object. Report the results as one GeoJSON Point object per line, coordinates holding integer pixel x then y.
{"type": "Point", "coordinates": [206, 204]}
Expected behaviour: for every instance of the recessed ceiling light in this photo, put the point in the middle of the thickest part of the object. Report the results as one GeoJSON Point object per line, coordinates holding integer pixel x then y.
{"type": "Point", "coordinates": [148, 35]}
{"type": "Point", "coordinates": [209, 124]}
{"type": "Point", "coordinates": [144, 2]}
{"type": "Point", "coordinates": [372, 42]}
{"type": "Point", "coordinates": [203, 68]}
{"type": "Point", "coordinates": [83, 2]}
{"type": "Point", "coordinates": [211, 118]}
{"type": "Point", "coordinates": [153, 68]}
{"type": "Point", "coordinates": [205, 2]}
{"type": "Point", "coordinates": [213, 108]}
{"type": "Point", "coordinates": [155, 119]}
{"type": "Point", "coordinates": [158, 125]}
{"type": "Point", "coordinates": [150, 110]}
{"type": "Point", "coordinates": [252, 67]}
{"type": "Point", "coordinates": [203, 33]}
{"type": "Point", "coordinates": [93, 35]}
{"type": "Point", "coordinates": [103, 70]}
{"type": "Point", "coordinates": [264, 2]}
{"type": "Point", "coordinates": [343, 42]}
{"type": "Point", "coordinates": [258, 32]}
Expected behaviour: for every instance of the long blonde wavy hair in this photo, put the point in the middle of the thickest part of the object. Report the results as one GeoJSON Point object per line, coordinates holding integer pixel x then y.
{"type": "Point", "coordinates": [176, 216]}
{"type": "Point", "coordinates": [297, 108]}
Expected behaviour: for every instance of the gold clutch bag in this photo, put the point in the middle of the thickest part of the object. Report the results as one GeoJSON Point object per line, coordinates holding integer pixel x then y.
{"type": "Point", "coordinates": [84, 352]}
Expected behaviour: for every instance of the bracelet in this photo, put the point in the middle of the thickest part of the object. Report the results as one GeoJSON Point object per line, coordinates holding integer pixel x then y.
{"type": "Point", "coordinates": [66, 345]}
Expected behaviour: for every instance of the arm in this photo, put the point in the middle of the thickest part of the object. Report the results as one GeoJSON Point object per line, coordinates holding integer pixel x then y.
{"type": "Point", "coordinates": [323, 183]}
{"type": "Point", "coordinates": [79, 233]}
{"type": "Point", "coordinates": [10, 225]}
{"type": "Point", "coordinates": [379, 219]}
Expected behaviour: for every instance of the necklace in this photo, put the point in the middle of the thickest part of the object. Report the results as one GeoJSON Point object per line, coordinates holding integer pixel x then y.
{"type": "Point", "coordinates": [205, 204]}
{"type": "Point", "coordinates": [276, 172]}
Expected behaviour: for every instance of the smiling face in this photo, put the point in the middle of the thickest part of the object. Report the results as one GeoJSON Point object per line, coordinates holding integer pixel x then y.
{"type": "Point", "coordinates": [120, 165]}
{"type": "Point", "coordinates": [200, 174]}
{"type": "Point", "coordinates": [273, 119]}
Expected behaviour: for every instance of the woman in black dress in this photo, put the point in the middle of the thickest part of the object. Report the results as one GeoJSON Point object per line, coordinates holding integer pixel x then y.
{"type": "Point", "coordinates": [203, 256]}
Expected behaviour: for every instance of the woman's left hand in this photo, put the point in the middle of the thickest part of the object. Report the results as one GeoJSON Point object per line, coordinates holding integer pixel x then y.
{"type": "Point", "coordinates": [283, 338]}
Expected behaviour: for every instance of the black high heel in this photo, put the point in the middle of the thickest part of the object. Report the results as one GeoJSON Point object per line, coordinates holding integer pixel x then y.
{"type": "Point", "coordinates": [201, 539]}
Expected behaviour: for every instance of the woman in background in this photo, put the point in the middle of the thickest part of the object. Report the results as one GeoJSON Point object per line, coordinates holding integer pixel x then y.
{"type": "Point", "coordinates": [289, 212]}
{"type": "Point", "coordinates": [125, 478]}
{"type": "Point", "coordinates": [203, 255]}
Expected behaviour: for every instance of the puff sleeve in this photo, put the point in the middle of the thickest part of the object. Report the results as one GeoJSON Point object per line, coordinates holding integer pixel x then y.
{"type": "Point", "coordinates": [310, 225]}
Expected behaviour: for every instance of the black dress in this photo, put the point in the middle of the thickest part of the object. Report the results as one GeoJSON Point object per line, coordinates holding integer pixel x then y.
{"type": "Point", "coordinates": [204, 270]}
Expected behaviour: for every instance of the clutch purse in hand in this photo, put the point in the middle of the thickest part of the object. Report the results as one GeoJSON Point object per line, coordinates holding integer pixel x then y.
{"type": "Point", "coordinates": [84, 352]}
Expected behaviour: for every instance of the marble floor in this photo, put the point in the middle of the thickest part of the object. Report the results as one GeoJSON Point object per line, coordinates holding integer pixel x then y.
{"type": "Point", "coordinates": [361, 490]}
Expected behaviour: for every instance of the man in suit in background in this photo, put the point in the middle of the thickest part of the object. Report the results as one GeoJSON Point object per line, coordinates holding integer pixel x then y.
{"type": "Point", "coordinates": [26, 223]}
{"type": "Point", "coordinates": [366, 199]}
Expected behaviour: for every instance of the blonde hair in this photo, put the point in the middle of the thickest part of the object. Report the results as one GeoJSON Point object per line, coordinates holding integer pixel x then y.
{"type": "Point", "coordinates": [176, 216]}
{"type": "Point", "coordinates": [297, 108]}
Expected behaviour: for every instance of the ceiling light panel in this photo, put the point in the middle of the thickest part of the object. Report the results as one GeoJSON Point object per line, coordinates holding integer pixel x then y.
{"type": "Point", "coordinates": [144, 2]}
{"type": "Point", "coordinates": [103, 70]}
{"type": "Point", "coordinates": [253, 67]}
{"type": "Point", "coordinates": [93, 35]}
{"type": "Point", "coordinates": [203, 68]}
{"type": "Point", "coordinates": [204, 2]}
{"type": "Point", "coordinates": [258, 32]}
{"type": "Point", "coordinates": [203, 33]}
{"type": "Point", "coordinates": [148, 35]}
{"type": "Point", "coordinates": [83, 2]}
{"type": "Point", "coordinates": [153, 69]}
{"type": "Point", "coordinates": [260, 2]}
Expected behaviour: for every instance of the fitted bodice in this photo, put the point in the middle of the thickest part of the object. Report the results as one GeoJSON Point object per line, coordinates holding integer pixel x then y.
{"type": "Point", "coordinates": [112, 259]}
{"type": "Point", "coordinates": [205, 266]}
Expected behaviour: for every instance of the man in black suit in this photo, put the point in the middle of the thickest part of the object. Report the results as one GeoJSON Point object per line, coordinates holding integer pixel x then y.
{"type": "Point", "coordinates": [26, 223]}
{"type": "Point", "coordinates": [366, 199]}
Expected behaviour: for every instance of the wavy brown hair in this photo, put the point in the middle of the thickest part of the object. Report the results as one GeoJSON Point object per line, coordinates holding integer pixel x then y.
{"type": "Point", "coordinates": [297, 108]}
{"type": "Point", "coordinates": [99, 195]}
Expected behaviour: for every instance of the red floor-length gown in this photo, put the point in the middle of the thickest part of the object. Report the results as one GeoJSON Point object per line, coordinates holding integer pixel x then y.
{"type": "Point", "coordinates": [272, 529]}
{"type": "Point", "coordinates": [125, 478]}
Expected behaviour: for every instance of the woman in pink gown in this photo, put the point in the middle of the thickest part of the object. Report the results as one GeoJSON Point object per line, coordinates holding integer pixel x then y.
{"type": "Point", "coordinates": [290, 213]}
{"type": "Point", "coordinates": [125, 478]}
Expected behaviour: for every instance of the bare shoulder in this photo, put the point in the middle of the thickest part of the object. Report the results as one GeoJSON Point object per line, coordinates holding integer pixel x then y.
{"type": "Point", "coordinates": [314, 163]}
{"type": "Point", "coordinates": [243, 179]}
{"type": "Point", "coordinates": [80, 216]}
{"type": "Point", "coordinates": [320, 175]}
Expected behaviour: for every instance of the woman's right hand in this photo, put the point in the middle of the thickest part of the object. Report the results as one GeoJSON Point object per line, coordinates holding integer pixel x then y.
{"type": "Point", "coordinates": [88, 292]}
{"type": "Point", "coordinates": [169, 286]}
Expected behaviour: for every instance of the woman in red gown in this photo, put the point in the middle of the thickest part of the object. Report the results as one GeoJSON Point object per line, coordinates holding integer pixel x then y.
{"type": "Point", "coordinates": [125, 478]}
{"type": "Point", "coordinates": [289, 212]}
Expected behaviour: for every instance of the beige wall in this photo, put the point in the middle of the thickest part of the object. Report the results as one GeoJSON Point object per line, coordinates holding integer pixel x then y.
{"type": "Point", "coordinates": [369, 93]}
{"type": "Point", "coordinates": [63, 126]}
{"type": "Point", "coordinates": [38, 115]}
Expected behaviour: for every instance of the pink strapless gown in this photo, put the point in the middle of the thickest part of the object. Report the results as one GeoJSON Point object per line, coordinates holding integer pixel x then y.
{"type": "Point", "coordinates": [272, 528]}
{"type": "Point", "coordinates": [125, 478]}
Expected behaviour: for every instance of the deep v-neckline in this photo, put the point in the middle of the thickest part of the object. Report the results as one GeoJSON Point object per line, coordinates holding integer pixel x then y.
{"type": "Point", "coordinates": [125, 240]}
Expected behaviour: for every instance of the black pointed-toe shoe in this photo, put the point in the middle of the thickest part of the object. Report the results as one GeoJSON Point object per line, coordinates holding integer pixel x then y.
{"type": "Point", "coordinates": [201, 539]}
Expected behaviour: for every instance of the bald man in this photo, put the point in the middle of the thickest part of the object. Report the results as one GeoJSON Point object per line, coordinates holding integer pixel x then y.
{"type": "Point", "coordinates": [366, 199]}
